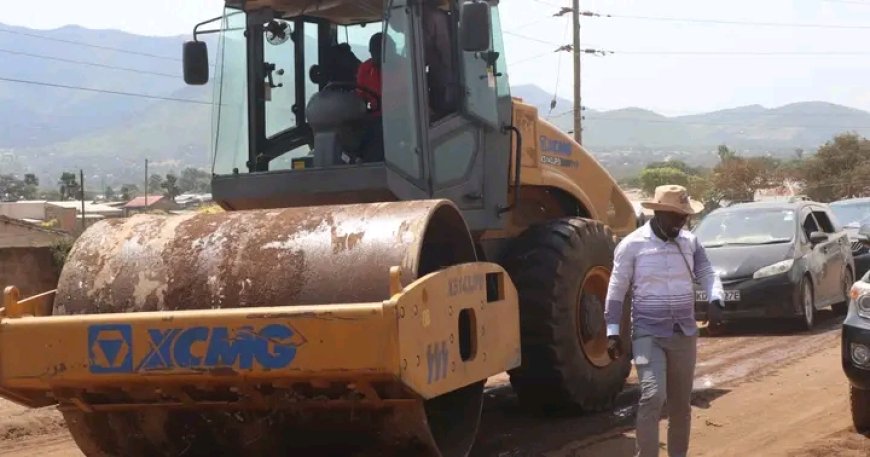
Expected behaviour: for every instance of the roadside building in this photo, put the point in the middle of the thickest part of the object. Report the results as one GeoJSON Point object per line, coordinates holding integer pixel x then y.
{"type": "Point", "coordinates": [60, 215]}
{"type": "Point", "coordinates": [149, 203]}
{"type": "Point", "coordinates": [29, 255]}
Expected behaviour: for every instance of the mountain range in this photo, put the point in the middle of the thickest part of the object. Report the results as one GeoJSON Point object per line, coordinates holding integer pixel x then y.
{"type": "Point", "coordinates": [799, 125]}
{"type": "Point", "coordinates": [107, 106]}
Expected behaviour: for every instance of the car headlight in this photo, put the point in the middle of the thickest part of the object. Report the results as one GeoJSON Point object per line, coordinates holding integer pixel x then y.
{"type": "Point", "coordinates": [860, 295]}
{"type": "Point", "coordinates": [775, 269]}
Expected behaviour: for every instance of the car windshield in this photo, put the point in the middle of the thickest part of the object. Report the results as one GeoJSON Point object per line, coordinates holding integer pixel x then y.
{"type": "Point", "coordinates": [747, 227]}
{"type": "Point", "coordinates": [852, 214]}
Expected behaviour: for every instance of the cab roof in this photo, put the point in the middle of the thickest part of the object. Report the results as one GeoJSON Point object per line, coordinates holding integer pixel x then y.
{"type": "Point", "coordinates": [344, 12]}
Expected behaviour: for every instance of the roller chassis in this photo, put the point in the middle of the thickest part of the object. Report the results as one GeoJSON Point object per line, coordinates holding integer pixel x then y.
{"type": "Point", "coordinates": [391, 355]}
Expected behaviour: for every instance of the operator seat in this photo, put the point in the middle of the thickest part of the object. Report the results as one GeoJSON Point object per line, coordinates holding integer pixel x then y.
{"type": "Point", "coordinates": [338, 118]}
{"type": "Point", "coordinates": [336, 114]}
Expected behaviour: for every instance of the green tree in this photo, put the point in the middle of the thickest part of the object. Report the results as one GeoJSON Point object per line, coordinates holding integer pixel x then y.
{"type": "Point", "coordinates": [194, 180]}
{"type": "Point", "coordinates": [129, 191]}
{"type": "Point", "coordinates": [155, 183]}
{"type": "Point", "coordinates": [839, 169]}
{"type": "Point", "coordinates": [726, 154]}
{"type": "Point", "coordinates": [651, 178]}
{"type": "Point", "coordinates": [701, 188]}
{"type": "Point", "coordinates": [170, 187]}
{"type": "Point", "coordinates": [677, 164]}
{"type": "Point", "coordinates": [69, 186]}
{"type": "Point", "coordinates": [737, 179]}
{"type": "Point", "coordinates": [50, 194]}
{"type": "Point", "coordinates": [11, 188]}
{"type": "Point", "coordinates": [109, 193]}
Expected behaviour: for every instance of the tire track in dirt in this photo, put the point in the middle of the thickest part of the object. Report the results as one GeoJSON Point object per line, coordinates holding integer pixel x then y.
{"type": "Point", "coordinates": [746, 354]}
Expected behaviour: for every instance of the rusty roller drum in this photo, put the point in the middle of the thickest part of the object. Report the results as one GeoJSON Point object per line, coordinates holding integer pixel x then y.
{"type": "Point", "coordinates": [297, 256]}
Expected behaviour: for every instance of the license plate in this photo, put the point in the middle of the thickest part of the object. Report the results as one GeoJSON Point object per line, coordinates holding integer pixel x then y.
{"type": "Point", "coordinates": [730, 295]}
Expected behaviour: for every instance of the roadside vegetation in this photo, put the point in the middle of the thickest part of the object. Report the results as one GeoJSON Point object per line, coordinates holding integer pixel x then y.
{"type": "Point", "coordinates": [839, 169]}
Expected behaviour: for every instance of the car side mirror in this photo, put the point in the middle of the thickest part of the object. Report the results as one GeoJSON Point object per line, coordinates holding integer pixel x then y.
{"type": "Point", "coordinates": [475, 28]}
{"type": "Point", "coordinates": [195, 63]}
{"type": "Point", "coordinates": [818, 237]}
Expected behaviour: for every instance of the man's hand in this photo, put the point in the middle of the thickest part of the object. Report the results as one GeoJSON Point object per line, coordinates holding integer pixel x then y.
{"type": "Point", "coordinates": [715, 311]}
{"type": "Point", "coordinates": [614, 347]}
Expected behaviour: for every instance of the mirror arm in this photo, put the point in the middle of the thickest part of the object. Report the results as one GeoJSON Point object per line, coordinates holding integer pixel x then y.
{"type": "Point", "coordinates": [196, 31]}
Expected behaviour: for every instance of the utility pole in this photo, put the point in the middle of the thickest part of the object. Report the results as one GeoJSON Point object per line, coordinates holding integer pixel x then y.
{"type": "Point", "coordinates": [146, 185]}
{"type": "Point", "coordinates": [82, 179]}
{"type": "Point", "coordinates": [578, 105]}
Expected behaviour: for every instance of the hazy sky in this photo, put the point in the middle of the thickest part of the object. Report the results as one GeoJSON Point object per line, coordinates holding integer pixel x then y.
{"type": "Point", "coordinates": [669, 83]}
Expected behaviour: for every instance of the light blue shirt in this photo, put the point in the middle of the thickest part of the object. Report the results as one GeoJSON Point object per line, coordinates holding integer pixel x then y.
{"type": "Point", "coordinates": [656, 273]}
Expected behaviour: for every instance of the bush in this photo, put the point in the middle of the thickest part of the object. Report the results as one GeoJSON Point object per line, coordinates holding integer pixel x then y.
{"type": "Point", "coordinates": [60, 250]}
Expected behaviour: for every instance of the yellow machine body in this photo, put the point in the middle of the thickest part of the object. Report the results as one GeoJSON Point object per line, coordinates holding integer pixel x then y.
{"type": "Point", "coordinates": [551, 159]}
{"type": "Point", "coordinates": [411, 340]}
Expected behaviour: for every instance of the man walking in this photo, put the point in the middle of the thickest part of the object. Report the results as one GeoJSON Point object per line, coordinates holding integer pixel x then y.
{"type": "Point", "coordinates": [659, 263]}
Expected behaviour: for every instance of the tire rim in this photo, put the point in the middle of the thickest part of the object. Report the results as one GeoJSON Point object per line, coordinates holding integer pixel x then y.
{"type": "Point", "coordinates": [808, 305]}
{"type": "Point", "coordinates": [591, 325]}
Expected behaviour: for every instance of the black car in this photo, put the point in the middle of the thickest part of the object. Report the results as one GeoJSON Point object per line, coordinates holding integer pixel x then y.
{"type": "Point", "coordinates": [852, 214]}
{"type": "Point", "coordinates": [856, 353]}
{"type": "Point", "coordinates": [777, 260]}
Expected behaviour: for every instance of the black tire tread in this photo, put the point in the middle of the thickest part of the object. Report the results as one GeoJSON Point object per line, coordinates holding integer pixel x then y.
{"type": "Point", "coordinates": [859, 400]}
{"type": "Point", "coordinates": [542, 265]}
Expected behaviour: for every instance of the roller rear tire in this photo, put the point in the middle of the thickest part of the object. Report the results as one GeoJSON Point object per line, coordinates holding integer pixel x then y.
{"type": "Point", "coordinates": [561, 270]}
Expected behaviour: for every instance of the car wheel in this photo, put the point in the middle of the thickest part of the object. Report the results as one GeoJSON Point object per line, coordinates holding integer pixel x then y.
{"type": "Point", "coordinates": [842, 307]}
{"type": "Point", "coordinates": [860, 403]}
{"type": "Point", "coordinates": [807, 303]}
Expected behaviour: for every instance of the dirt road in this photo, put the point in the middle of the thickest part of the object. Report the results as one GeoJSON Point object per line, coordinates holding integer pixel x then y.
{"type": "Point", "coordinates": [758, 391]}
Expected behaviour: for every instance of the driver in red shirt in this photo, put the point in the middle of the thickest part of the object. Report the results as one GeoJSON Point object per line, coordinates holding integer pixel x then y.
{"type": "Point", "coordinates": [369, 74]}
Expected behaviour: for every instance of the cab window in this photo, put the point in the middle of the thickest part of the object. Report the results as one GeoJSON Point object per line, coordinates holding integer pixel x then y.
{"type": "Point", "coordinates": [441, 60]}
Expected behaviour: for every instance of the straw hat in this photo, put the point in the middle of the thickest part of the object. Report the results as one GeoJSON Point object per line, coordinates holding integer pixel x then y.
{"type": "Point", "coordinates": [674, 199]}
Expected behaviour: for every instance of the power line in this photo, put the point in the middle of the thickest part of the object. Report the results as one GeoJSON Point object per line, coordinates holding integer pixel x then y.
{"type": "Point", "coordinates": [537, 40]}
{"type": "Point", "coordinates": [678, 122]}
{"type": "Point", "coordinates": [90, 45]}
{"type": "Point", "coordinates": [525, 25]}
{"type": "Point", "coordinates": [559, 69]}
{"type": "Point", "coordinates": [567, 48]}
{"type": "Point", "coordinates": [602, 52]}
{"type": "Point", "coordinates": [550, 4]}
{"type": "Point", "coordinates": [529, 59]}
{"type": "Point", "coordinates": [731, 112]}
{"type": "Point", "coordinates": [103, 91]}
{"type": "Point", "coordinates": [92, 64]}
{"type": "Point", "coordinates": [727, 22]}
{"type": "Point", "coordinates": [529, 24]}
{"type": "Point", "coordinates": [746, 53]}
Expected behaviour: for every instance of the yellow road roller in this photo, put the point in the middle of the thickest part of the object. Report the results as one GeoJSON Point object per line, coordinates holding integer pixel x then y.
{"type": "Point", "coordinates": [397, 228]}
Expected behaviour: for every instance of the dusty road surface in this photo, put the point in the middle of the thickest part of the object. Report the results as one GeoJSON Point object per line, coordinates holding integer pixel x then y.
{"type": "Point", "coordinates": [759, 391]}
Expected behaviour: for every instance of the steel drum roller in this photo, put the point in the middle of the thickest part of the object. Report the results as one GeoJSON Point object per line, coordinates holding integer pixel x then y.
{"type": "Point", "coordinates": [297, 256]}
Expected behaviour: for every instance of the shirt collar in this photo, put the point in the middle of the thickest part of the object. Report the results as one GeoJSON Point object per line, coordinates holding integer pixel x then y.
{"type": "Point", "coordinates": [647, 232]}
